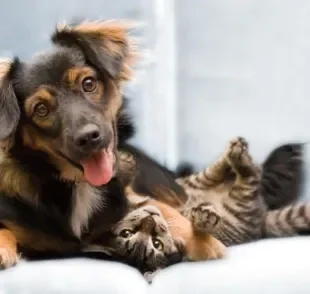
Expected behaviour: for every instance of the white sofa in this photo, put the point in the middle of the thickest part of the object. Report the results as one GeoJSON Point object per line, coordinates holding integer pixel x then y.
{"type": "Point", "coordinates": [271, 266]}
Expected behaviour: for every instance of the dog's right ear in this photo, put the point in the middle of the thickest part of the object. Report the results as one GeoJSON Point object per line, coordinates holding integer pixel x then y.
{"type": "Point", "coordinates": [106, 45]}
{"type": "Point", "coordinates": [9, 109]}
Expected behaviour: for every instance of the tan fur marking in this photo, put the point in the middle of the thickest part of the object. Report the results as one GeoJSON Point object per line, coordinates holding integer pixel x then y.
{"type": "Point", "coordinates": [115, 102]}
{"type": "Point", "coordinates": [8, 249]}
{"type": "Point", "coordinates": [75, 76]}
{"type": "Point", "coordinates": [14, 180]}
{"type": "Point", "coordinates": [198, 246]}
{"type": "Point", "coordinates": [42, 95]}
{"type": "Point", "coordinates": [37, 240]}
{"type": "Point", "coordinates": [35, 141]}
{"type": "Point", "coordinates": [72, 76]}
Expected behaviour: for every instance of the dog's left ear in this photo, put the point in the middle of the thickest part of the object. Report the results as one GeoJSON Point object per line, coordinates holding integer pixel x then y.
{"type": "Point", "coordinates": [9, 109]}
{"type": "Point", "coordinates": [106, 45]}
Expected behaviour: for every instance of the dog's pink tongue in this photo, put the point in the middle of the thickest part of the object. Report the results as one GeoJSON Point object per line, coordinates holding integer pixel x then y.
{"type": "Point", "coordinates": [98, 169]}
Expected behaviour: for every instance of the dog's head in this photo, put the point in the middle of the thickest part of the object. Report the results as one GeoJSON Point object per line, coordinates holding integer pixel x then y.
{"type": "Point", "coordinates": [65, 103]}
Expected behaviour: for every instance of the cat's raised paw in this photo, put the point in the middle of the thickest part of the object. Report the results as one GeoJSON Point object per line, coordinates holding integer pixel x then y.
{"type": "Point", "coordinates": [237, 153]}
{"type": "Point", "coordinates": [204, 217]}
{"type": "Point", "coordinates": [236, 148]}
{"type": "Point", "coordinates": [240, 160]}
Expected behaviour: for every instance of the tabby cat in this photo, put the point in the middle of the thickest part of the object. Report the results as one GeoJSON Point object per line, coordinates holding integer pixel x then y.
{"type": "Point", "coordinates": [155, 235]}
{"type": "Point", "coordinates": [225, 200]}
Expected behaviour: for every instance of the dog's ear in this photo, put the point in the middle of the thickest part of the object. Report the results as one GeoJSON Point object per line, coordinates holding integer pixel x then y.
{"type": "Point", "coordinates": [106, 45]}
{"type": "Point", "coordinates": [9, 109]}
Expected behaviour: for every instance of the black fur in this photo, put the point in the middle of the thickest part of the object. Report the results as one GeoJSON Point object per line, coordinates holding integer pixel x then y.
{"type": "Point", "coordinates": [150, 174]}
{"type": "Point", "coordinates": [283, 174]}
{"type": "Point", "coordinates": [184, 169]}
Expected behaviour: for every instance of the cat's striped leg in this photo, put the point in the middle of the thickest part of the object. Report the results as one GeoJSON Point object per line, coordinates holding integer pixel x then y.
{"type": "Point", "coordinates": [248, 174]}
{"type": "Point", "coordinates": [202, 214]}
{"type": "Point", "coordinates": [243, 208]}
{"type": "Point", "coordinates": [209, 177]}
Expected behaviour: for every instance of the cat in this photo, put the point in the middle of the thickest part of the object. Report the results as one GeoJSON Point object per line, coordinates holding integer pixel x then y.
{"type": "Point", "coordinates": [283, 171]}
{"type": "Point", "coordinates": [226, 201]}
{"type": "Point", "coordinates": [153, 235]}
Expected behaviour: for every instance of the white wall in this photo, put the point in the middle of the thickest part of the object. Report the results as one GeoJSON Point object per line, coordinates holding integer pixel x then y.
{"type": "Point", "coordinates": [244, 69]}
{"type": "Point", "coordinates": [218, 69]}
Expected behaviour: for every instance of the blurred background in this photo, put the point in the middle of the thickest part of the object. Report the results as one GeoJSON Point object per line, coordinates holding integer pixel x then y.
{"type": "Point", "coordinates": [217, 69]}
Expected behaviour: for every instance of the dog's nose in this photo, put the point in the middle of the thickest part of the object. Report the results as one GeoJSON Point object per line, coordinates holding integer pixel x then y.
{"type": "Point", "coordinates": [87, 137]}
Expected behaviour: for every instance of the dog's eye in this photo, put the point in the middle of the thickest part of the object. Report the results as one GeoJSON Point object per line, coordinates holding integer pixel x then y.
{"type": "Point", "coordinates": [41, 110]}
{"type": "Point", "coordinates": [158, 244]}
{"type": "Point", "coordinates": [126, 234]}
{"type": "Point", "coordinates": [89, 84]}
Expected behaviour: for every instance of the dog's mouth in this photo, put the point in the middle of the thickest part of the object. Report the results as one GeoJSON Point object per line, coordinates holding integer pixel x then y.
{"type": "Point", "coordinates": [98, 168]}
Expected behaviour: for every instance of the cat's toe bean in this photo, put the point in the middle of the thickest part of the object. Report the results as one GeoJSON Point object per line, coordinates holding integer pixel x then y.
{"type": "Point", "coordinates": [204, 217]}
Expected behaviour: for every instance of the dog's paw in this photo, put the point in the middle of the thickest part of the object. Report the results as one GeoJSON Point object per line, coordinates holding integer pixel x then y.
{"type": "Point", "coordinates": [8, 257]}
{"type": "Point", "coordinates": [149, 276]}
{"type": "Point", "coordinates": [204, 217]}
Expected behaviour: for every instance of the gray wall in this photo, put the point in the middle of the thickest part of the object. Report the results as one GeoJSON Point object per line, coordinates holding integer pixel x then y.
{"type": "Point", "coordinates": [244, 69]}
{"type": "Point", "coordinates": [217, 69]}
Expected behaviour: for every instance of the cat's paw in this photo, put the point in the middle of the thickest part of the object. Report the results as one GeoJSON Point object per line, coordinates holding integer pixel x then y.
{"type": "Point", "coordinates": [8, 257]}
{"type": "Point", "coordinates": [204, 217]}
{"type": "Point", "coordinates": [239, 158]}
{"type": "Point", "coordinates": [236, 150]}
{"type": "Point", "coordinates": [238, 154]}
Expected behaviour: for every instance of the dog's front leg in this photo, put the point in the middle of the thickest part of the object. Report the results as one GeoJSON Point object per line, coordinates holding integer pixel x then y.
{"type": "Point", "coordinates": [8, 249]}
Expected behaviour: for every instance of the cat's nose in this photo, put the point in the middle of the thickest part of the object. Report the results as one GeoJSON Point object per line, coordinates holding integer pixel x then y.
{"type": "Point", "coordinates": [148, 224]}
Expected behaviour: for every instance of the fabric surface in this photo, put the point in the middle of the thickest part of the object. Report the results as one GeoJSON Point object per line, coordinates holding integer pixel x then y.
{"type": "Point", "coordinates": [269, 266]}
{"type": "Point", "coordinates": [72, 276]}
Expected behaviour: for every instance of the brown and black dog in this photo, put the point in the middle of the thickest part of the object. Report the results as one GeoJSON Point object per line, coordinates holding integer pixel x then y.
{"type": "Point", "coordinates": [62, 119]}
{"type": "Point", "coordinates": [59, 121]}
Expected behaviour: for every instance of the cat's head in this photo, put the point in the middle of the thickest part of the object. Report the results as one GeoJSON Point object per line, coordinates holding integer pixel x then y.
{"type": "Point", "coordinates": [142, 239]}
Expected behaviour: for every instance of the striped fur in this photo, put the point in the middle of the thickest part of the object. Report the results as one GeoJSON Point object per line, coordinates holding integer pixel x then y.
{"type": "Point", "coordinates": [224, 199]}
{"type": "Point", "coordinates": [227, 200]}
{"type": "Point", "coordinates": [288, 221]}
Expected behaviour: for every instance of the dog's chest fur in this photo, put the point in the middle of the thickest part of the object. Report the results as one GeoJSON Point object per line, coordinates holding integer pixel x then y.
{"type": "Point", "coordinates": [86, 200]}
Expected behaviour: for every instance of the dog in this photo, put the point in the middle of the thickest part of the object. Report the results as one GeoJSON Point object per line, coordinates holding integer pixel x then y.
{"type": "Point", "coordinates": [63, 118]}
{"type": "Point", "coordinates": [60, 115]}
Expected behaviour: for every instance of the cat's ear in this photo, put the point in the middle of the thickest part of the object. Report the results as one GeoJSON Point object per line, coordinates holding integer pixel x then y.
{"type": "Point", "coordinates": [106, 45]}
{"type": "Point", "coordinates": [9, 108]}
{"type": "Point", "coordinates": [136, 200]}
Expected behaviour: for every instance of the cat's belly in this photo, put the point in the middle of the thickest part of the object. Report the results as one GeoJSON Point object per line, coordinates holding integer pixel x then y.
{"type": "Point", "coordinates": [241, 220]}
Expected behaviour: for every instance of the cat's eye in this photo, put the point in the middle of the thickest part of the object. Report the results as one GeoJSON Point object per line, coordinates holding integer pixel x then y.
{"type": "Point", "coordinates": [158, 244]}
{"type": "Point", "coordinates": [126, 233]}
